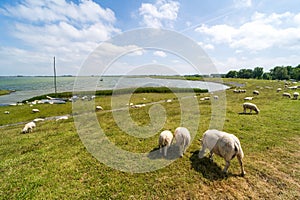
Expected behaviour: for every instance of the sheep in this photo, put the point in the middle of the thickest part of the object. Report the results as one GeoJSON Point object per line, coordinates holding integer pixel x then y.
{"type": "Point", "coordinates": [286, 94]}
{"type": "Point", "coordinates": [256, 92]}
{"type": "Point", "coordinates": [6, 112]}
{"type": "Point", "coordinates": [248, 98]}
{"type": "Point", "coordinates": [183, 139]}
{"type": "Point", "coordinates": [296, 94]}
{"type": "Point", "coordinates": [250, 106]}
{"type": "Point", "coordinates": [165, 141]}
{"type": "Point", "coordinates": [28, 127]}
{"type": "Point", "coordinates": [99, 108]}
{"type": "Point", "coordinates": [35, 110]}
{"type": "Point", "coordinates": [216, 97]}
{"type": "Point", "coordinates": [278, 89]}
{"type": "Point", "coordinates": [224, 145]}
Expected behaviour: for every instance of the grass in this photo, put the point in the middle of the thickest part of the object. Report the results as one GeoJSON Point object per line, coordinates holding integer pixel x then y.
{"type": "Point", "coordinates": [53, 163]}
{"type": "Point", "coordinates": [5, 92]}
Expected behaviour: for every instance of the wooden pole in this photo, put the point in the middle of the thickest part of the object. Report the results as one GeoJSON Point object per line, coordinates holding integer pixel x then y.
{"type": "Point", "coordinates": [54, 77]}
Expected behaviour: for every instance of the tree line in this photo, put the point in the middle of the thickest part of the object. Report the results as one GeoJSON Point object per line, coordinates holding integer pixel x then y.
{"type": "Point", "coordinates": [277, 73]}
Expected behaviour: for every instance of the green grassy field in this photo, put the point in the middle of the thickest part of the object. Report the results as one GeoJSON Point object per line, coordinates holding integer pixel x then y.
{"type": "Point", "coordinates": [5, 92]}
{"type": "Point", "coordinates": [52, 162]}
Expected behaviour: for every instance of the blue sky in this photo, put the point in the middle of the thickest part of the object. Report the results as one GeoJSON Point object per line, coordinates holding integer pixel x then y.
{"type": "Point", "coordinates": [234, 34]}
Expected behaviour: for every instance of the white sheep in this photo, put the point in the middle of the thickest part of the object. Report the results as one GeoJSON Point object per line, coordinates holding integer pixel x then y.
{"type": "Point", "coordinates": [216, 97]}
{"type": "Point", "coordinates": [278, 89]}
{"type": "Point", "coordinates": [296, 94]}
{"type": "Point", "coordinates": [286, 94]}
{"type": "Point", "coordinates": [99, 108]}
{"type": "Point", "coordinates": [250, 106]}
{"type": "Point", "coordinates": [35, 110]}
{"type": "Point", "coordinates": [256, 92]}
{"type": "Point", "coordinates": [183, 139]}
{"type": "Point", "coordinates": [248, 98]}
{"type": "Point", "coordinates": [28, 127]}
{"type": "Point", "coordinates": [6, 112]}
{"type": "Point", "coordinates": [223, 144]}
{"type": "Point", "coordinates": [164, 141]}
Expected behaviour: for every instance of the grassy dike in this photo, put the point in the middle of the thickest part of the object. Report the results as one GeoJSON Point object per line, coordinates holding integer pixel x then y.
{"type": "Point", "coordinates": [52, 162]}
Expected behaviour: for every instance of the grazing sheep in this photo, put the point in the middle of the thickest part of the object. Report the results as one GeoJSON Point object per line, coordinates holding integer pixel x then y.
{"type": "Point", "coordinates": [183, 139]}
{"type": "Point", "coordinates": [248, 98]}
{"type": "Point", "coordinates": [216, 97]}
{"type": "Point", "coordinates": [164, 141]}
{"type": "Point", "coordinates": [296, 94]}
{"type": "Point", "coordinates": [28, 127]}
{"type": "Point", "coordinates": [286, 94]}
{"type": "Point", "coordinates": [35, 110]}
{"type": "Point", "coordinates": [239, 91]}
{"type": "Point", "coordinates": [223, 144]}
{"type": "Point", "coordinates": [99, 108]}
{"type": "Point", "coordinates": [6, 112]}
{"type": "Point", "coordinates": [250, 106]}
{"type": "Point", "coordinates": [256, 92]}
{"type": "Point", "coordinates": [278, 89]}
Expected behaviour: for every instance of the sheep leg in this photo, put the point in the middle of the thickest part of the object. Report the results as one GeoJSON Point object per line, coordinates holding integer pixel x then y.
{"type": "Point", "coordinates": [241, 164]}
{"type": "Point", "coordinates": [211, 154]}
{"type": "Point", "coordinates": [226, 167]}
{"type": "Point", "coordinates": [202, 151]}
{"type": "Point", "coordinates": [165, 150]}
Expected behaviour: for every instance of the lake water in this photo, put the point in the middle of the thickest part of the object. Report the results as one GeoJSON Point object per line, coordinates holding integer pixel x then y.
{"type": "Point", "coordinates": [27, 87]}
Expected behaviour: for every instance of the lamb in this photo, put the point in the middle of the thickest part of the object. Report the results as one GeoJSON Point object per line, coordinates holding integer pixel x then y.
{"type": "Point", "coordinates": [250, 106]}
{"type": "Point", "coordinates": [296, 94]}
{"type": "Point", "coordinates": [248, 98]}
{"type": "Point", "coordinates": [286, 94]}
{"type": "Point", "coordinates": [256, 92]}
{"type": "Point", "coordinates": [28, 127]}
{"type": "Point", "coordinates": [35, 110]}
{"type": "Point", "coordinates": [165, 141]}
{"type": "Point", "coordinates": [183, 139]}
{"type": "Point", "coordinates": [223, 144]}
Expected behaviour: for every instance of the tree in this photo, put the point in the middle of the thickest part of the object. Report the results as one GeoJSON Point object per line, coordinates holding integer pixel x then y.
{"type": "Point", "coordinates": [280, 73]}
{"type": "Point", "coordinates": [245, 73]}
{"type": "Point", "coordinates": [267, 76]}
{"type": "Point", "coordinates": [258, 72]}
{"type": "Point", "coordinates": [231, 74]}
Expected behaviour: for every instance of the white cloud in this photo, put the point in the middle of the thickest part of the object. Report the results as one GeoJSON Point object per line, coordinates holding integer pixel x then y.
{"type": "Point", "coordinates": [206, 46]}
{"type": "Point", "coordinates": [242, 3]}
{"type": "Point", "coordinates": [160, 54]}
{"type": "Point", "coordinates": [261, 32]}
{"type": "Point", "coordinates": [59, 27]}
{"type": "Point", "coordinates": [162, 13]}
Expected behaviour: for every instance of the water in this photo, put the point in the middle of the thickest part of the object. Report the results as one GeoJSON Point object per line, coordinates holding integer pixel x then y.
{"type": "Point", "coordinates": [27, 87]}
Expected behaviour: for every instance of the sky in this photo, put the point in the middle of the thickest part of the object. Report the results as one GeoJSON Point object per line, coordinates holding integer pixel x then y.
{"type": "Point", "coordinates": [233, 34]}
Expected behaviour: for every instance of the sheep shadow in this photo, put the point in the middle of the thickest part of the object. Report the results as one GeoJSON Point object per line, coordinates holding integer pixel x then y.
{"type": "Point", "coordinates": [172, 153]}
{"type": "Point", "coordinates": [207, 168]}
{"type": "Point", "coordinates": [242, 113]}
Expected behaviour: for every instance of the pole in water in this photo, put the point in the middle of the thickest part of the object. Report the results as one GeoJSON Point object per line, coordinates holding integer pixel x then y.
{"type": "Point", "coordinates": [54, 77]}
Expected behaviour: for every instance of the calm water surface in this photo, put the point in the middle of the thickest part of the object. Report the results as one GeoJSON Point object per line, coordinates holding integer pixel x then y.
{"type": "Point", "coordinates": [27, 87]}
